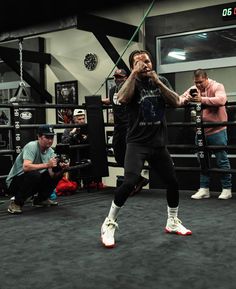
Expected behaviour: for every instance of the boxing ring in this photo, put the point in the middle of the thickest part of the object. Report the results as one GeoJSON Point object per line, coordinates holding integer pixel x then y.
{"type": "Point", "coordinates": [97, 132]}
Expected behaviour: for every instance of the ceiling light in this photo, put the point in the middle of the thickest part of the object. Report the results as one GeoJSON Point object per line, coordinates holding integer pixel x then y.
{"type": "Point", "coordinates": [177, 54]}
{"type": "Point", "coordinates": [202, 35]}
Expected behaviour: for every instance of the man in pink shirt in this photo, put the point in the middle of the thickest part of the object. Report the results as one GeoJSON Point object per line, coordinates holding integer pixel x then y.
{"type": "Point", "coordinates": [213, 95]}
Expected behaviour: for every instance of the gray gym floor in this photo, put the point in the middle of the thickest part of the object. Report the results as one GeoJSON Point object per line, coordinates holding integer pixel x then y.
{"type": "Point", "coordinates": [59, 247]}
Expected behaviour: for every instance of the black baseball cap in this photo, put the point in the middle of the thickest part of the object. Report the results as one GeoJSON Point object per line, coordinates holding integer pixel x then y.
{"type": "Point", "coordinates": [46, 129]}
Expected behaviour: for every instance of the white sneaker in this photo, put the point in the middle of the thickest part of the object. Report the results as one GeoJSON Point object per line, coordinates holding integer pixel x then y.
{"type": "Point", "coordinates": [225, 194]}
{"type": "Point", "coordinates": [174, 226]}
{"type": "Point", "coordinates": [107, 233]}
{"type": "Point", "coordinates": [202, 193]}
{"type": "Point", "coordinates": [13, 208]}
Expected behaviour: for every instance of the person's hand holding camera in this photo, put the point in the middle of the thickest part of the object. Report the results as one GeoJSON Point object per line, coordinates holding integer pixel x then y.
{"type": "Point", "coordinates": [52, 163]}
{"type": "Point", "coordinates": [62, 164]}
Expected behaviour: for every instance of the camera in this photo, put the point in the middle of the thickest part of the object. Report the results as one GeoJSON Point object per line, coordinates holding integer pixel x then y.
{"type": "Point", "coordinates": [62, 155]}
{"type": "Point", "coordinates": [193, 92]}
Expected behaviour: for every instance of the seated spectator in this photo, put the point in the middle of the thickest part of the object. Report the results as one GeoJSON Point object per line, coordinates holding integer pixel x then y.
{"type": "Point", "coordinates": [33, 173]}
{"type": "Point", "coordinates": [75, 136]}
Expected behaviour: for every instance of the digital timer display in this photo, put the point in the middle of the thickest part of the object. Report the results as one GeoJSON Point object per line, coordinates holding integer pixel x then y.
{"type": "Point", "coordinates": [229, 13]}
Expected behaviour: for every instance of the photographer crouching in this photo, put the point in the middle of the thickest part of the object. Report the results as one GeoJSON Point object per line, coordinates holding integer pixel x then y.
{"type": "Point", "coordinates": [33, 172]}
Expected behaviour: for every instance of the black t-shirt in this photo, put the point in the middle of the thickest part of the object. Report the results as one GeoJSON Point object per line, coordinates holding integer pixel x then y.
{"type": "Point", "coordinates": [119, 112]}
{"type": "Point", "coordinates": [147, 123]}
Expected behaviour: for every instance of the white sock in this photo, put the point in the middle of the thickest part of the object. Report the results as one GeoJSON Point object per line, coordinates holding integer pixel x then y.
{"type": "Point", "coordinates": [114, 210]}
{"type": "Point", "coordinates": [172, 212]}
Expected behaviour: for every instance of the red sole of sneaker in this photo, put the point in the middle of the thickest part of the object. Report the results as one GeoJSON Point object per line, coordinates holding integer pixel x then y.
{"type": "Point", "coordinates": [187, 234]}
{"type": "Point", "coordinates": [108, 246]}
{"type": "Point", "coordinates": [178, 233]}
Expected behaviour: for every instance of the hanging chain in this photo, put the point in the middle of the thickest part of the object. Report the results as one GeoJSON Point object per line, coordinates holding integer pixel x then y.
{"type": "Point", "coordinates": [21, 94]}
{"type": "Point", "coordinates": [21, 61]}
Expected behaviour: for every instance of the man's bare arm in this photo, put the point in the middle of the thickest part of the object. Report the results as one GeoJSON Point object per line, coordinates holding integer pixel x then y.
{"type": "Point", "coordinates": [170, 96]}
{"type": "Point", "coordinates": [126, 92]}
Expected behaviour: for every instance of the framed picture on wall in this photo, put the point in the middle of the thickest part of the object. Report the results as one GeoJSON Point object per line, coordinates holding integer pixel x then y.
{"type": "Point", "coordinates": [110, 82]}
{"type": "Point", "coordinates": [5, 119]}
{"type": "Point", "coordinates": [66, 93]}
